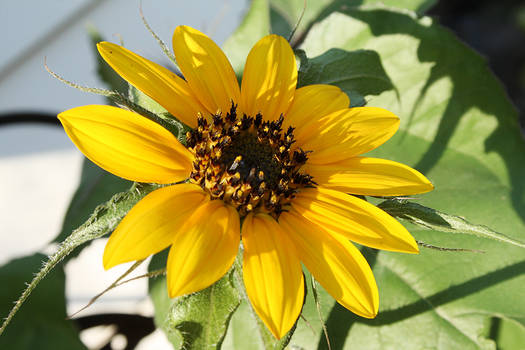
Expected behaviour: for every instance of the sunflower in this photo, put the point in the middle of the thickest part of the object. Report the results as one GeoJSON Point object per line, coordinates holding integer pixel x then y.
{"type": "Point", "coordinates": [266, 163]}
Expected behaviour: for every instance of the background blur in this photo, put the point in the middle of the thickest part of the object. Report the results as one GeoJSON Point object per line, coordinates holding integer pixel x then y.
{"type": "Point", "coordinates": [40, 167]}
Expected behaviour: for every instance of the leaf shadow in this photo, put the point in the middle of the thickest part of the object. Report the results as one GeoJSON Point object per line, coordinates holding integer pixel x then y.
{"type": "Point", "coordinates": [189, 331]}
{"type": "Point", "coordinates": [340, 320]}
{"type": "Point", "coordinates": [445, 52]}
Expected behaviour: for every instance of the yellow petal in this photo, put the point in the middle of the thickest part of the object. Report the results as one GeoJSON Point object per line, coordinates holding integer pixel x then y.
{"type": "Point", "coordinates": [354, 218]}
{"type": "Point", "coordinates": [159, 83]}
{"type": "Point", "coordinates": [270, 78]}
{"type": "Point", "coordinates": [335, 263]}
{"type": "Point", "coordinates": [272, 273]}
{"type": "Point", "coordinates": [205, 248]}
{"type": "Point", "coordinates": [369, 177]}
{"type": "Point", "coordinates": [346, 133]}
{"type": "Point", "coordinates": [152, 223]}
{"type": "Point", "coordinates": [127, 144]}
{"type": "Point", "coordinates": [312, 102]}
{"type": "Point", "coordinates": [206, 68]}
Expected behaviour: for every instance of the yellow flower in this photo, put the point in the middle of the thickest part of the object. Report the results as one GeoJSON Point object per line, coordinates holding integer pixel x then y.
{"type": "Point", "coordinates": [280, 159]}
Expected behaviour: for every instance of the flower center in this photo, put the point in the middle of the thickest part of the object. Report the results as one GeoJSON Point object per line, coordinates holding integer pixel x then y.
{"type": "Point", "coordinates": [247, 162]}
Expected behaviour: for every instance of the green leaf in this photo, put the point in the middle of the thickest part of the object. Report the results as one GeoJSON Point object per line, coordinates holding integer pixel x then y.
{"type": "Point", "coordinates": [418, 6]}
{"type": "Point", "coordinates": [438, 221]}
{"type": "Point", "coordinates": [510, 335]}
{"type": "Point", "coordinates": [255, 25]}
{"type": "Point", "coordinates": [146, 102]}
{"type": "Point", "coordinates": [285, 14]}
{"type": "Point", "coordinates": [357, 73]}
{"type": "Point", "coordinates": [460, 130]}
{"type": "Point", "coordinates": [291, 10]}
{"type": "Point", "coordinates": [41, 323]}
{"type": "Point", "coordinates": [162, 116]}
{"type": "Point", "coordinates": [196, 321]}
{"type": "Point", "coordinates": [102, 221]}
{"type": "Point", "coordinates": [202, 318]}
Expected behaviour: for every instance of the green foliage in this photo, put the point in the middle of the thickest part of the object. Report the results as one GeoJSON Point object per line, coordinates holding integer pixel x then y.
{"type": "Point", "coordinates": [219, 316]}
{"type": "Point", "coordinates": [285, 14]}
{"type": "Point", "coordinates": [438, 221]}
{"type": "Point", "coordinates": [459, 129]}
{"type": "Point", "coordinates": [357, 73]}
{"type": "Point", "coordinates": [509, 335]}
{"type": "Point", "coordinates": [436, 300]}
{"type": "Point", "coordinates": [196, 321]}
{"type": "Point", "coordinates": [102, 221]}
{"type": "Point", "coordinates": [147, 106]}
{"type": "Point", "coordinates": [41, 322]}
{"type": "Point", "coordinates": [254, 26]}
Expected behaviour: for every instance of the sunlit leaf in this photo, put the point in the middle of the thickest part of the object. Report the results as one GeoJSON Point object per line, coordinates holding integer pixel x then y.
{"type": "Point", "coordinates": [285, 14]}
{"type": "Point", "coordinates": [460, 130]}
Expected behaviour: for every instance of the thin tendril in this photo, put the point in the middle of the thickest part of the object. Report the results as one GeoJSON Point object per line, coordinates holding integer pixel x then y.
{"type": "Point", "coordinates": [298, 22]}
{"type": "Point", "coordinates": [445, 249]}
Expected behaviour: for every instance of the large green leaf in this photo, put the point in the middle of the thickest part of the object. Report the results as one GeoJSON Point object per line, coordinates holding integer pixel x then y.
{"type": "Point", "coordinates": [458, 128]}
{"type": "Point", "coordinates": [285, 14]}
{"type": "Point", "coordinates": [41, 322]}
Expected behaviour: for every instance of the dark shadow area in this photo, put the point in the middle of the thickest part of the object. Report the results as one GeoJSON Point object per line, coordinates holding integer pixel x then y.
{"type": "Point", "coordinates": [190, 331]}
{"type": "Point", "coordinates": [132, 327]}
{"type": "Point", "coordinates": [496, 29]}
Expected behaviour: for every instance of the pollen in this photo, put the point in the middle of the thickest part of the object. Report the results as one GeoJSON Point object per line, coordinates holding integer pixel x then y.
{"type": "Point", "coordinates": [247, 162]}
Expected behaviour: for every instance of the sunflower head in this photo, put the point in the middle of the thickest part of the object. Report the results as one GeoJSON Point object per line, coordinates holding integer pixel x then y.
{"type": "Point", "coordinates": [283, 159]}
